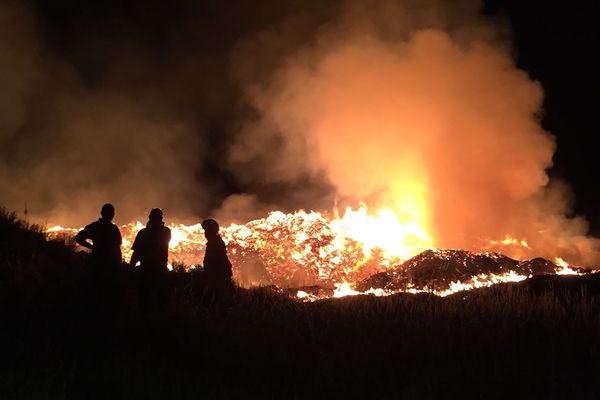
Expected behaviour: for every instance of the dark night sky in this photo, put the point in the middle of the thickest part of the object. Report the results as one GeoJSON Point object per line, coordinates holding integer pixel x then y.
{"type": "Point", "coordinates": [556, 44]}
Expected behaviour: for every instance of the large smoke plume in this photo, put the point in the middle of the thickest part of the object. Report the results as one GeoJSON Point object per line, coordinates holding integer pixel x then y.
{"type": "Point", "coordinates": [424, 111]}
{"type": "Point", "coordinates": [412, 105]}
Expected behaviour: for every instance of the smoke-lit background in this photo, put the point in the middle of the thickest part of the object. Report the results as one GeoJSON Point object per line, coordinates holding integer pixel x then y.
{"type": "Point", "coordinates": [475, 119]}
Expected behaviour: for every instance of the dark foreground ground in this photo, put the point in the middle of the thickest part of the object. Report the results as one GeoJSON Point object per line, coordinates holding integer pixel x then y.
{"type": "Point", "coordinates": [65, 336]}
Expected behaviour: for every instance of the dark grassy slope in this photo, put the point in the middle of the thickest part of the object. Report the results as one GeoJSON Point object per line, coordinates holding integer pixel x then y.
{"type": "Point", "coordinates": [65, 336]}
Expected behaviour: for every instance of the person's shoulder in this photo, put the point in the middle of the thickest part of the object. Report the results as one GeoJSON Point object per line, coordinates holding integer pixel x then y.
{"type": "Point", "coordinates": [140, 235]}
{"type": "Point", "coordinates": [92, 225]}
{"type": "Point", "coordinates": [86, 231]}
{"type": "Point", "coordinates": [167, 233]}
{"type": "Point", "coordinates": [112, 228]}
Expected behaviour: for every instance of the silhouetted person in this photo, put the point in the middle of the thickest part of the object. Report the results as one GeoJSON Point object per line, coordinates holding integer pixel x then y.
{"type": "Point", "coordinates": [101, 283]}
{"type": "Point", "coordinates": [151, 249]}
{"type": "Point", "coordinates": [217, 268]}
{"type": "Point", "coordinates": [106, 240]}
{"type": "Point", "coordinates": [151, 245]}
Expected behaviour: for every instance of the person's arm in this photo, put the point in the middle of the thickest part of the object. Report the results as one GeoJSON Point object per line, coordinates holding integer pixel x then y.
{"type": "Point", "coordinates": [167, 239]}
{"type": "Point", "coordinates": [82, 238]}
{"type": "Point", "coordinates": [207, 255]}
{"type": "Point", "coordinates": [120, 239]}
{"type": "Point", "coordinates": [135, 257]}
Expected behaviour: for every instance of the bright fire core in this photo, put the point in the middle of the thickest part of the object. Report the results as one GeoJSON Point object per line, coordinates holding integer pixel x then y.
{"type": "Point", "coordinates": [308, 248]}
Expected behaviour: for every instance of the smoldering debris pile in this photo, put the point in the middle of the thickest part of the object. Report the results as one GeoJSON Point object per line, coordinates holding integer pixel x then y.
{"type": "Point", "coordinates": [436, 270]}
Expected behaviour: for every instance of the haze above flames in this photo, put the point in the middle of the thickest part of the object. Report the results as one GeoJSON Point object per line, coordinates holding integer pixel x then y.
{"type": "Point", "coordinates": [437, 124]}
{"type": "Point", "coordinates": [408, 105]}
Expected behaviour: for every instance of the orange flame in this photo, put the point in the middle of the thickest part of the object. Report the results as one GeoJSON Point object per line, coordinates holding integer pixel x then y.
{"type": "Point", "coordinates": [307, 248]}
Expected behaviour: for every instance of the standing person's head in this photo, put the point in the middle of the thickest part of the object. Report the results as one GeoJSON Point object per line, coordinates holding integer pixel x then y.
{"type": "Point", "coordinates": [107, 212]}
{"type": "Point", "coordinates": [156, 215]}
{"type": "Point", "coordinates": [155, 218]}
{"type": "Point", "coordinates": [211, 227]}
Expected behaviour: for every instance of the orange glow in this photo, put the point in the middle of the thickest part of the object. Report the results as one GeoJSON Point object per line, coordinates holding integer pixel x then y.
{"type": "Point", "coordinates": [309, 248]}
{"type": "Point", "coordinates": [383, 230]}
{"type": "Point", "coordinates": [564, 267]}
{"type": "Point", "coordinates": [509, 240]}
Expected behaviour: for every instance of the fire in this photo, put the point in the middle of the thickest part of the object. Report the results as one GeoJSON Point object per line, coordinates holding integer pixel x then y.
{"type": "Point", "coordinates": [509, 240]}
{"type": "Point", "coordinates": [343, 244]}
{"type": "Point", "coordinates": [482, 280]}
{"type": "Point", "coordinates": [384, 230]}
{"type": "Point", "coordinates": [311, 248]}
{"type": "Point", "coordinates": [565, 268]}
{"type": "Point", "coordinates": [344, 289]}
{"type": "Point", "coordinates": [61, 229]}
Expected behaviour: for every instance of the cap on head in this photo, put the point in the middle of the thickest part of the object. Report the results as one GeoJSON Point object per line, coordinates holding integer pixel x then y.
{"type": "Point", "coordinates": [156, 214]}
{"type": "Point", "coordinates": [210, 226]}
{"type": "Point", "coordinates": [108, 211]}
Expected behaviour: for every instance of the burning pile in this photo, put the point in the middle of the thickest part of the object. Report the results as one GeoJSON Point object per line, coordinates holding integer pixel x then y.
{"type": "Point", "coordinates": [297, 248]}
{"type": "Point", "coordinates": [371, 253]}
{"type": "Point", "coordinates": [447, 271]}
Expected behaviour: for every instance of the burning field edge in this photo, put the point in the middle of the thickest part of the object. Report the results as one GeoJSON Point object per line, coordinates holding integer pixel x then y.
{"type": "Point", "coordinates": [316, 257]}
